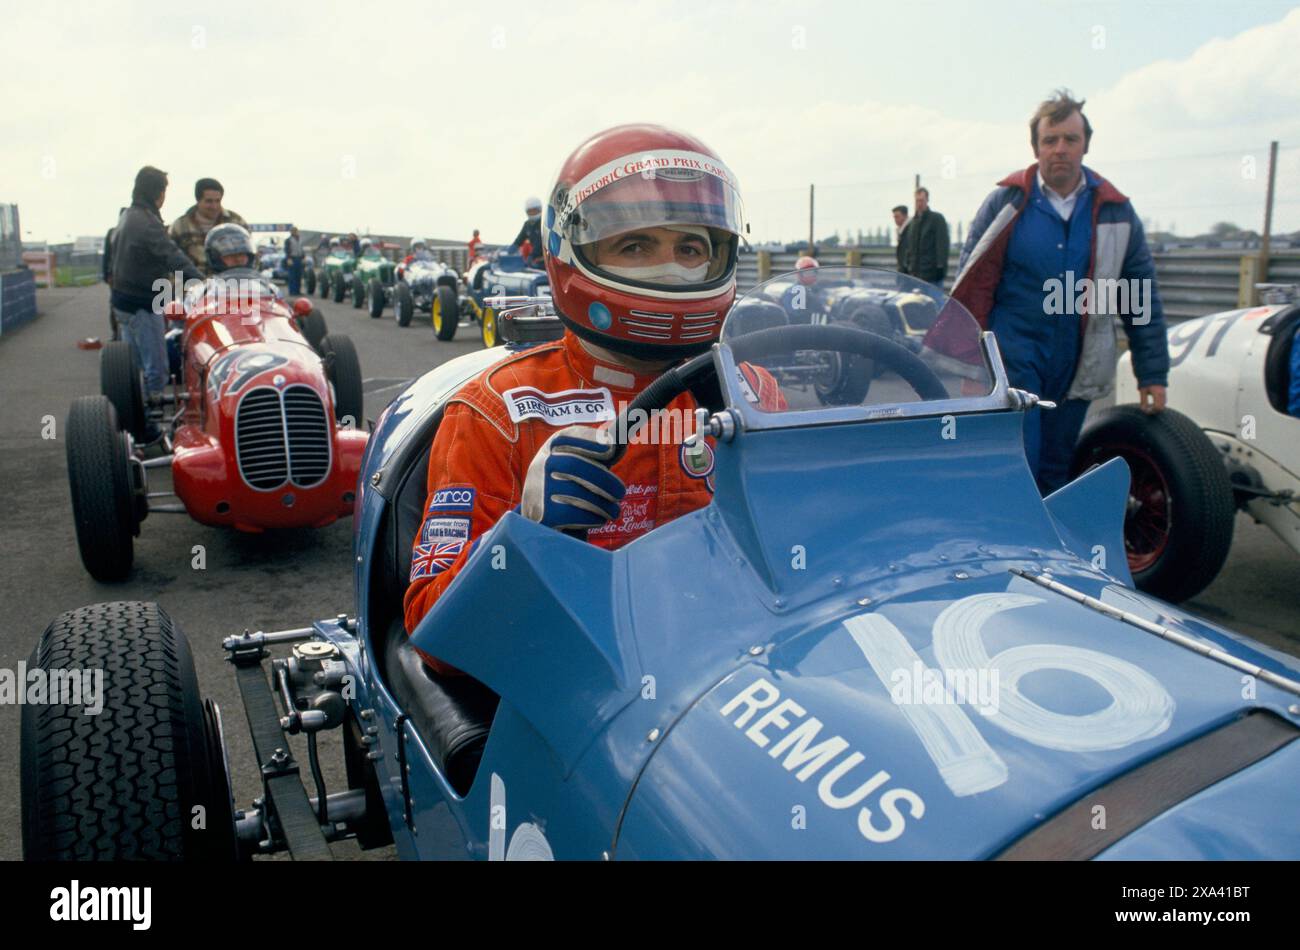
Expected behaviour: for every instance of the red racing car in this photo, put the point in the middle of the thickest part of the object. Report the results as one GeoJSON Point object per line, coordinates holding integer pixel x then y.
{"type": "Point", "coordinates": [260, 427]}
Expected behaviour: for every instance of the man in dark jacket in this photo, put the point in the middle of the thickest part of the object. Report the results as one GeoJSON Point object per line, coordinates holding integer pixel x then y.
{"type": "Point", "coordinates": [529, 239]}
{"type": "Point", "coordinates": [145, 259]}
{"type": "Point", "coordinates": [900, 225]}
{"type": "Point", "coordinates": [293, 260]}
{"type": "Point", "coordinates": [106, 274]}
{"type": "Point", "coordinates": [925, 242]}
{"type": "Point", "coordinates": [1043, 265]}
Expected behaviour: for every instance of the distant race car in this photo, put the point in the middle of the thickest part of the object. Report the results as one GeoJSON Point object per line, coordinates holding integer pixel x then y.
{"type": "Point", "coordinates": [372, 280]}
{"type": "Point", "coordinates": [500, 275]}
{"type": "Point", "coordinates": [264, 430]}
{"type": "Point", "coordinates": [876, 642]}
{"type": "Point", "coordinates": [1229, 445]}
{"type": "Point", "coordinates": [335, 277]}
{"type": "Point", "coordinates": [427, 286]}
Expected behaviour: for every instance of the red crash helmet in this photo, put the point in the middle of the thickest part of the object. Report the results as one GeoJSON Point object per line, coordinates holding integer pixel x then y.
{"type": "Point", "coordinates": [807, 265]}
{"type": "Point", "coordinates": [635, 177]}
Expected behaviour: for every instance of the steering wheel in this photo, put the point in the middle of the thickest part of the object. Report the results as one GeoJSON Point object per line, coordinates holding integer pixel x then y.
{"type": "Point", "coordinates": [699, 375]}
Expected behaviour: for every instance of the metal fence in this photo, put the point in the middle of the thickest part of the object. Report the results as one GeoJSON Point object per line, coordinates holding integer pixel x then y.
{"type": "Point", "coordinates": [1192, 283]}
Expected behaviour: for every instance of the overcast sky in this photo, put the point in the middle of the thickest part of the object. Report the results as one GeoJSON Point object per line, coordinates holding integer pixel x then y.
{"type": "Point", "coordinates": [435, 118]}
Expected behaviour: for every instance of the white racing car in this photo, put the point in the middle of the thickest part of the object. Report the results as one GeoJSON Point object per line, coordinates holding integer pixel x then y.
{"type": "Point", "coordinates": [1230, 375]}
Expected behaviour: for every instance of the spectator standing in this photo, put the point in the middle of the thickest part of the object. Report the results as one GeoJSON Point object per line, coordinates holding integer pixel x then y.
{"type": "Point", "coordinates": [924, 243]}
{"type": "Point", "coordinates": [1055, 219]}
{"type": "Point", "coordinates": [191, 229]}
{"type": "Point", "coordinates": [474, 244]}
{"type": "Point", "coordinates": [293, 260]}
{"type": "Point", "coordinates": [143, 255]}
{"type": "Point", "coordinates": [900, 225]}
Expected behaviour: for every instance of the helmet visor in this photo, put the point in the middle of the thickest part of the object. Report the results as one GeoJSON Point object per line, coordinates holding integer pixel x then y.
{"type": "Point", "coordinates": [649, 192]}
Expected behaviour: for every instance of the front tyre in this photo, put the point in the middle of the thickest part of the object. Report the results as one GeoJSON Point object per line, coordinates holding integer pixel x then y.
{"type": "Point", "coordinates": [104, 507]}
{"type": "Point", "coordinates": [139, 780]}
{"type": "Point", "coordinates": [358, 293]}
{"type": "Point", "coordinates": [446, 313]}
{"type": "Point", "coordinates": [344, 371]}
{"type": "Point", "coordinates": [1179, 520]}
{"type": "Point", "coordinates": [309, 281]}
{"type": "Point", "coordinates": [376, 299]}
{"type": "Point", "coordinates": [340, 287]}
{"type": "Point", "coordinates": [403, 304]}
{"type": "Point", "coordinates": [487, 319]}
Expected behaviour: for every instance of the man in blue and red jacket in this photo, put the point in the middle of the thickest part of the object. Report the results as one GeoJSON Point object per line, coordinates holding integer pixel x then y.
{"type": "Point", "coordinates": [1054, 254]}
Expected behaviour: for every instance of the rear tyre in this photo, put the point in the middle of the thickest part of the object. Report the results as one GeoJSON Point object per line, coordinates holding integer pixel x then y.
{"type": "Point", "coordinates": [104, 498]}
{"type": "Point", "coordinates": [1179, 521]}
{"type": "Point", "coordinates": [344, 371]}
{"type": "Point", "coordinates": [309, 281]}
{"type": "Point", "coordinates": [375, 295]}
{"type": "Point", "coordinates": [122, 382]}
{"type": "Point", "coordinates": [340, 288]}
{"type": "Point", "coordinates": [313, 328]}
{"type": "Point", "coordinates": [403, 304]}
{"type": "Point", "coordinates": [358, 292]}
{"type": "Point", "coordinates": [446, 313]}
{"type": "Point", "coordinates": [130, 783]}
{"type": "Point", "coordinates": [324, 285]}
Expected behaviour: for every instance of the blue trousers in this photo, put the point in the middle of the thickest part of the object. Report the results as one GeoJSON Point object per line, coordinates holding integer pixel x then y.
{"type": "Point", "coordinates": [143, 329]}
{"type": "Point", "coordinates": [294, 267]}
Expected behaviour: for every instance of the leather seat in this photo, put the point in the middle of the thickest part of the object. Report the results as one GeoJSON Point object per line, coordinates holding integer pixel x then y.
{"type": "Point", "coordinates": [1277, 361]}
{"type": "Point", "coordinates": [453, 714]}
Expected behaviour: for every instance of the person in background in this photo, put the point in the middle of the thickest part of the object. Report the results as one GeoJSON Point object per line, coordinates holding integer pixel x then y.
{"type": "Point", "coordinates": [191, 229]}
{"type": "Point", "coordinates": [106, 274]}
{"type": "Point", "coordinates": [1053, 219]}
{"type": "Point", "coordinates": [900, 224]}
{"type": "Point", "coordinates": [924, 243]}
{"type": "Point", "coordinates": [293, 258]}
{"type": "Point", "coordinates": [531, 234]}
{"type": "Point", "coordinates": [474, 243]}
{"type": "Point", "coordinates": [143, 255]}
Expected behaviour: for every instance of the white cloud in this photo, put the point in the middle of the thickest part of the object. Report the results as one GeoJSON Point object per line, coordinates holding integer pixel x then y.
{"type": "Point", "coordinates": [447, 132]}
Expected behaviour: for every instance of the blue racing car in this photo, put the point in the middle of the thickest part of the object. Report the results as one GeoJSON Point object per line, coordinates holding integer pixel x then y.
{"type": "Point", "coordinates": [877, 642]}
{"type": "Point", "coordinates": [501, 275]}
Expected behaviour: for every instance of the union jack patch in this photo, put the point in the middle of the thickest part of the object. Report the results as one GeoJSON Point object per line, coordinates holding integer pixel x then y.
{"type": "Point", "coordinates": [430, 560]}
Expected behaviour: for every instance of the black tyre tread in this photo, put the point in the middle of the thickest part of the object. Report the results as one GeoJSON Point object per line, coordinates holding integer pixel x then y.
{"type": "Point", "coordinates": [358, 290]}
{"type": "Point", "coordinates": [1202, 511]}
{"type": "Point", "coordinates": [102, 508]}
{"type": "Point", "coordinates": [323, 284]}
{"type": "Point", "coordinates": [344, 370]}
{"type": "Point", "coordinates": [314, 329]}
{"type": "Point", "coordinates": [449, 319]}
{"type": "Point", "coordinates": [375, 299]}
{"type": "Point", "coordinates": [338, 287]}
{"type": "Point", "coordinates": [119, 380]}
{"type": "Point", "coordinates": [403, 300]}
{"type": "Point", "coordinates": [119, 785]}
{"type": "Point", "coordinates": [309, 281]}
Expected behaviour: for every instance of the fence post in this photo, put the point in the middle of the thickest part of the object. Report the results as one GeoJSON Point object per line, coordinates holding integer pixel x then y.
{"type": "Point", "coordinates": [764, 265]}
{"type": "Point", "coordinates": [1247, 277]}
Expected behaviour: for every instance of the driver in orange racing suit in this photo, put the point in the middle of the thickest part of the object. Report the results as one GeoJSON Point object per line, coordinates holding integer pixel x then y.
{"type": "Point", "coordinates": [640, 238]}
